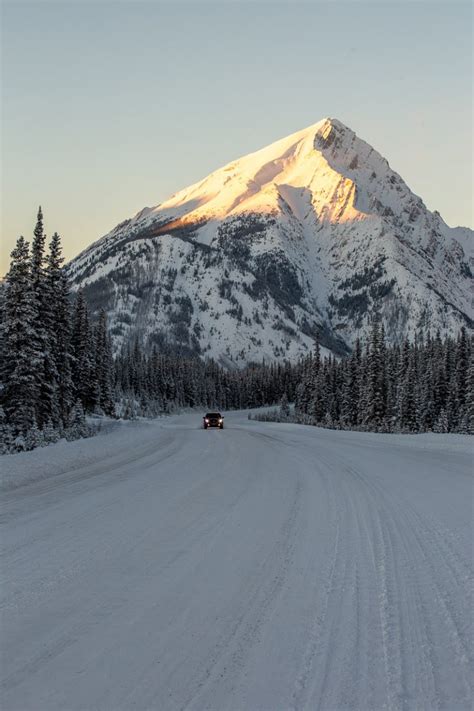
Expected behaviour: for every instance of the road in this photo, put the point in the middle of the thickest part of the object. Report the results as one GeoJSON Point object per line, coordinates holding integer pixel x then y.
{"type": "Point", "coordinates": [264, 566]}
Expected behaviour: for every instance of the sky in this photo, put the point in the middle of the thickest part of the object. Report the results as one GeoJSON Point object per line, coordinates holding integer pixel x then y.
{"type": "Point", "coordinates": [107, 107]}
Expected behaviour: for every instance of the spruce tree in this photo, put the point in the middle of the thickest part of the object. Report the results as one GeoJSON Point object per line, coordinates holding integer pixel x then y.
{"type": "Point", "coordinates": [284, 407]}
{"type": "Point", "coordinates": [84, 375]}
{"type": "Point", "coordinates": [375, 407]}
{"type": "Point", "coordinates": [470, 395]}
{"type": "Point", "coordinates": [37, 254]}
{"type": "Point", "coordinates": [319, 396]}
{"type": "Point", "coordinates": [439, 376]}
{"type": "Point", "coordinates": [45, 374]}
{"type": "Point", "coordinates": [59, 326]}
{"type": "Point", "coordinates": [104, 366]}
{"type": "Point", "coordinates": [22, 357]}
{"type": "Point", "coordinates": [346, 394]}
{"type": "Point", "coordinates": [6, 433]}
{"type": "Point", "coordinates": [363, 389]}
{"type": "Point", "coordinates": [442, 424]}
{"type": "Point", "coordinates": [393, 357]}
{"type": "Point", "coordinates": [77, 422]}
{"type": "Point", "coordinates": [462, 365]}
{"type": "Point", "coordinates": [34, 437]}
{"type": "Point", "coordinates": [305, 387]}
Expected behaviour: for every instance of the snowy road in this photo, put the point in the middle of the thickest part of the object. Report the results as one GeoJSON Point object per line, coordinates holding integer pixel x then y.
{"type": "Point", "coordinates": [262, 567]}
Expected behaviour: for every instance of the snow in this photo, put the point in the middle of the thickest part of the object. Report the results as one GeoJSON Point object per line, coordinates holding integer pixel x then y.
{"type": "Point", "coordinates": [27, 467]}
{"type": "Point", "coordinates": [248, 184]}
{"type": "Point", "coordinates": [265, 566]}
{"type": "Point", "coordinates": [328, 202]}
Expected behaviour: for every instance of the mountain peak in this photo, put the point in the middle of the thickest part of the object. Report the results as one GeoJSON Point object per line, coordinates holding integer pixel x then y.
{"type": "Point", "coordinates": [328, 130]}
{"type": "Point", "coordinates": [314, 233]}
{"type": "Point", "coordinates": [321, 153]}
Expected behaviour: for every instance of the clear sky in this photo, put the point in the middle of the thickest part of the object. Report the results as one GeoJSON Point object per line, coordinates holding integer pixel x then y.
{"type": "Point", "coordinates": [111, 106]}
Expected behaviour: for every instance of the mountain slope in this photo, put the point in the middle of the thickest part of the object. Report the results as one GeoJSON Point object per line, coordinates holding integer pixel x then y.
{"type": "Point", "coordinates": [314, 233]}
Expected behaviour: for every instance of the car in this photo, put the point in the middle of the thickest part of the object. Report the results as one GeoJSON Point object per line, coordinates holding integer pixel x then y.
{"type": "Point", "coordinates": [213, 419]}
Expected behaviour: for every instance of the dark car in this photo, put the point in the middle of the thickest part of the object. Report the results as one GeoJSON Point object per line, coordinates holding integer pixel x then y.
{"type": "Point", "coordinates": [213, 419]}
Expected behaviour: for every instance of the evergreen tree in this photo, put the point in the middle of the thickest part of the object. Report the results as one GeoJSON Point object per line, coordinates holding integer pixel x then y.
{"type": "Point", "coordinates": [363, 378]}
{"type": "Point", "coordinates": [34, 437]}
{"type": "Point", "coordinates": [376, 387]}
{"type": "Point", "coordinates": [6, 433]}
{"type": "Point", "coordinates": [392, 358]}
{"type": "Point", "coordinates": [59, 327]}
{"type": "Point", "coordinates": [50, 433]}
{"type": "Point", "coordinates": [45, 374]}
{"type": "Point", "coordinates": [470, 396]}
{"type": "Point", "coordinates": [77, 422]}
{"type": "Point", "coordinates": [284, 407]}
{"type": "Point", "coordinates": [306, 386]}
{"type": "Point", "coordinates": [104, 366]}
{"type": "Point", "coordinates": [84, 375]}
{"type": "Point", "coordinates": [462, 365]}
{"type": "Point", "coordinates": [441, 424]}
{"type": "Point", "coordinates": [21, 358]}
{"type": "Point", "coordinates": [439, 376]}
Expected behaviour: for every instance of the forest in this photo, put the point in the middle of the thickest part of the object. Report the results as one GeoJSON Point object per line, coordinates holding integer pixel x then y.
{"type": "Point", "coordinates": [57, 366]}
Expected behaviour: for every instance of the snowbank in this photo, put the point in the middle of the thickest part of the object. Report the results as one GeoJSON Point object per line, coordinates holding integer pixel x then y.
{"type": "Point", "coordinates": [65, 457]}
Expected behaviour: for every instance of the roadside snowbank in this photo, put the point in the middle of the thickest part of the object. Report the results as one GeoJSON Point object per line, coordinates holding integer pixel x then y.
{"type": "Point", "coordinates": [63, 457]}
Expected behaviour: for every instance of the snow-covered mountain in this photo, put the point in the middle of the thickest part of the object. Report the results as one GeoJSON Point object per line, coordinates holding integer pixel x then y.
{"type": "Point", "coordinates": [314, 233]}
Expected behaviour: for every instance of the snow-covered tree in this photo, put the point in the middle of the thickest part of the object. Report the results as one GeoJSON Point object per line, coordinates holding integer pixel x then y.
{"type": "Point", "coordinates": [84, 375]}
{"type": "Point", "coordinates": [284, 407]}
{"type": "Point", "coordinates": [21, 357]}
{"type": "Point", "coordinates": [45, 374]}
{"type": "Point", "coordinates": [59, 326]}
{"type": "Point", "coordinates": [77, 422]}
{"type": "Point", "coordinates": [104, 366]}
{"type": "Point", "coordinates": [376, 385]}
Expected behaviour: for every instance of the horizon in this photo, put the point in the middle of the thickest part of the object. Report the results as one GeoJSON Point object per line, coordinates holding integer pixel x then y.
{"type": "Point", "coordinates": [113, 150]}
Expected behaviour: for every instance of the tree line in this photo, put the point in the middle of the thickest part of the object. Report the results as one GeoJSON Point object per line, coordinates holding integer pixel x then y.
{"type": "Point", "coordinates": [54, 365]}
{"type": "Point", "coordinates": [57, 366]}
{"type": "Point", "coordinates": [419, 386]}
{"type": "Point", "coordinates": [147, 384]}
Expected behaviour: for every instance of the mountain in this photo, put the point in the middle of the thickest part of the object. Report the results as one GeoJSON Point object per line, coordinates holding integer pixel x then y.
{"type": "Point", "coordinates": [312, 234]}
